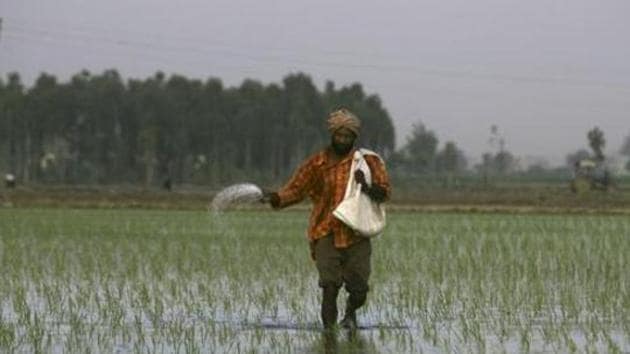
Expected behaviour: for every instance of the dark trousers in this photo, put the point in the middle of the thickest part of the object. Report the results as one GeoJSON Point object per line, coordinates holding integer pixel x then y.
{"type": "Point", "coordinates": [349, 267]}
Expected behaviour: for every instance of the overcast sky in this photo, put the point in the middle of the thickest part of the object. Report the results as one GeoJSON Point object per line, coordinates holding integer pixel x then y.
{"type": "Point", "coordinates": [544, 71]}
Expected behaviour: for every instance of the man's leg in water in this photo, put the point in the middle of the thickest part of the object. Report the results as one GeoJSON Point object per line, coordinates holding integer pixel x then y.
{"type": "Point", "coordinates": [328, 262]}
{"type": "Point", "coordinates": [356, 269]}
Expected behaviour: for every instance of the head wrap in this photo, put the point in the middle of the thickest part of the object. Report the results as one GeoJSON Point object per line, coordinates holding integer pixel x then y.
{"type": "Point", "coordinates": [343, 118]}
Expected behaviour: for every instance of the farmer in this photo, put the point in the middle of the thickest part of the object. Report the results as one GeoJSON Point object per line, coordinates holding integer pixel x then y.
{"type": "Point", "coordinates": [342, 257]}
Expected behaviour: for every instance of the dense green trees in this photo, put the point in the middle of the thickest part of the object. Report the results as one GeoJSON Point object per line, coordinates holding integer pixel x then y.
{"type": "Point", "coordinates": [420, 150]}
{"type": "Point", "coordinates": [625, 151]}
{"type": "Point", "coordinates": [101, 129]}
{"type": "Point", "coordinates": [597, 142]}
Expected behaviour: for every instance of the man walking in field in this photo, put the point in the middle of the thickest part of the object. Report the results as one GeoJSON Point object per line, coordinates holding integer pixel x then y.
{"type": "Point", "coordinates": [342, 257]}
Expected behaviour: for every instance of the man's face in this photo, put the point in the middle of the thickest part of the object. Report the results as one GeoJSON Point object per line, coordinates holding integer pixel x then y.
{"type": "Point", "coordinates": [343, 141]}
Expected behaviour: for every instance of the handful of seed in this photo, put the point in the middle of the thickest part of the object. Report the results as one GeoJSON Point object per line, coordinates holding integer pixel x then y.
{"type": "Point", "coordinates": [236, 194]}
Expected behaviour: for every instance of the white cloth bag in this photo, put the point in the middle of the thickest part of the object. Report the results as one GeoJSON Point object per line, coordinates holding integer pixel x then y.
{"type": "Point", "coordinates": [357, 210]}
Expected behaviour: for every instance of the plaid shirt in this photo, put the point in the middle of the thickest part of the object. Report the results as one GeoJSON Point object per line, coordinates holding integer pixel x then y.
{"type": "Point", "coordinates": [324, 181]}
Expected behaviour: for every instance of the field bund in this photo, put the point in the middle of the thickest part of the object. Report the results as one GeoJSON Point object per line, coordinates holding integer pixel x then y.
{"type": "Point", "coordinates": [511, 198]}
{"type": "Point", "coordinates": [191, 281]}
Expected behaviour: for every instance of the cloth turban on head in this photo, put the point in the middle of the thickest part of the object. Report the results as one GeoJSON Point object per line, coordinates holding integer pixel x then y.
{"type": "Point", "coordinates": [343, 119]}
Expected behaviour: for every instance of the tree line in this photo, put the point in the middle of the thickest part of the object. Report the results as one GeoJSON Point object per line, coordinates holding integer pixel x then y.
{"type": "Point", "coordinates": [102, 129]}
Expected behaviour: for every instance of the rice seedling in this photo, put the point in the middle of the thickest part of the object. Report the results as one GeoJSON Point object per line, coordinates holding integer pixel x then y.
{"type": "Point", "coordinates": [123, 280]}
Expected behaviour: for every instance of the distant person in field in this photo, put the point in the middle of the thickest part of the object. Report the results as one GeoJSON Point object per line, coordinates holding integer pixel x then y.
{"type": "Point", "coordinates": [342, 257]}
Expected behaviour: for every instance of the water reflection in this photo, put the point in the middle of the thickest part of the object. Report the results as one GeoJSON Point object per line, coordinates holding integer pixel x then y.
{"type": "Point", "coordinates": [342, 341]}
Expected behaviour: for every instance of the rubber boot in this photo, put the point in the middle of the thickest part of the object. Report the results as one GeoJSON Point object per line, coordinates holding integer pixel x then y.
{"type": "Point", "coordinates": [329, 306]}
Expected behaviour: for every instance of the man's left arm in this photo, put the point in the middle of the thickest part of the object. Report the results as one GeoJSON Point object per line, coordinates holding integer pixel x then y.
{"type": "Point", "coordinates": [380, 190]}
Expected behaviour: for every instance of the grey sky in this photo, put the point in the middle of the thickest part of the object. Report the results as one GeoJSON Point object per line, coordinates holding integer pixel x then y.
{"type": "Point", "coordinates": [544, 71]}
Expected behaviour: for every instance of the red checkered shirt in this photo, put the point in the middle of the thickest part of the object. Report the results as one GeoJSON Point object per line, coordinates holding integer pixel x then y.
{"type": "Point", "coordinates": [324, 181]}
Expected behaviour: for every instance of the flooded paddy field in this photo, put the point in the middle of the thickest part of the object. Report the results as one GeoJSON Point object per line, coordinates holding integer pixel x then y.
{"type": "Point", "coordinates": [243, 281]}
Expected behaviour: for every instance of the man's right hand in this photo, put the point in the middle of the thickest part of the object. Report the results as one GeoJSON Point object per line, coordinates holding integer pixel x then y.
{"type": "Point", "coordinates": [270, 197]}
